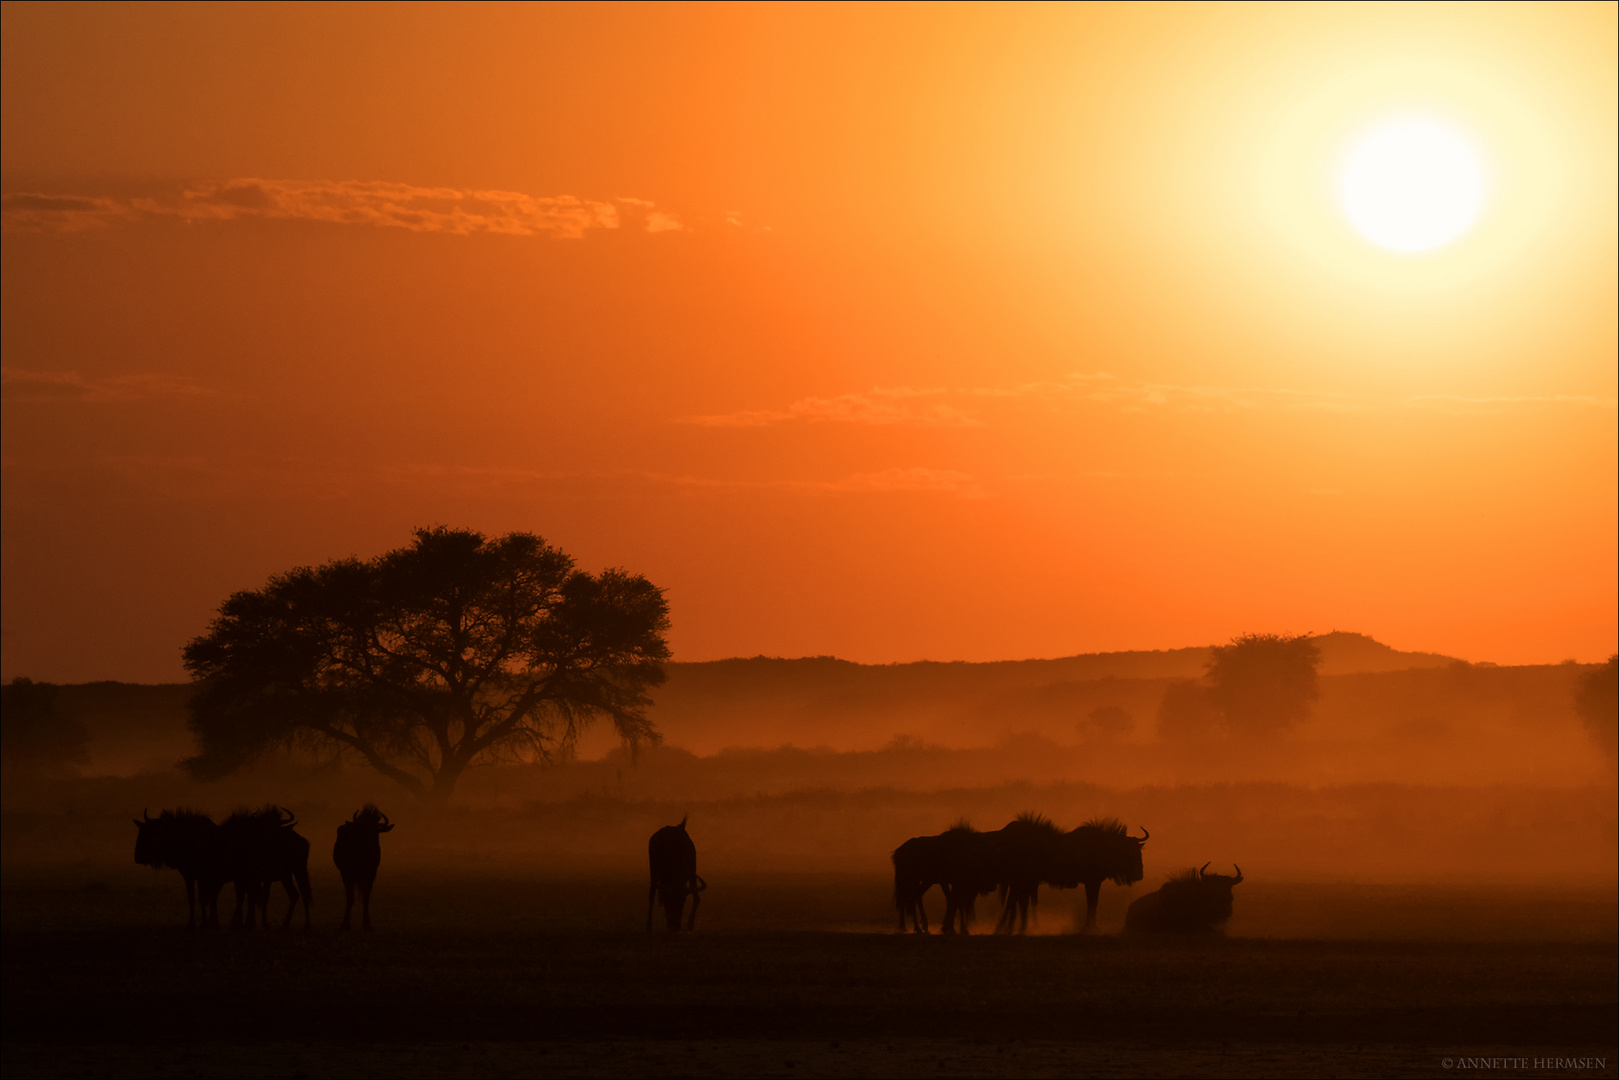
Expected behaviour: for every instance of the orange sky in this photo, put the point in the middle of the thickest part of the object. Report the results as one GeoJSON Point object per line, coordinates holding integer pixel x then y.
{"type": "Point", "coordinates": [896, 332]}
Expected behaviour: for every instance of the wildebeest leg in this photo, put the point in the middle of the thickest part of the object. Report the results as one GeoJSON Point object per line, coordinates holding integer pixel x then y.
{"type": "Point", "coordinates": [243, 892]}
{"type": "Point", "coordinates": [348, 900]}
{"type": "Point", "coordinates": [697, 887]}
{"type": "Point", "coordinates": [1008, 918]}
{"type": "Point", "coordinates": [366, 881]}
{"type": "Point", "coordinates": [1093, 892]}
{"type": "Point", "coordinates": [651, 901]}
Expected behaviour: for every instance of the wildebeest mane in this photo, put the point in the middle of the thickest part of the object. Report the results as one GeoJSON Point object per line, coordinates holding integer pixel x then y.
{"type": "Point", "coordinates": [1039, 821]}
{"type": "Point", "coordinates": [1110, 825]}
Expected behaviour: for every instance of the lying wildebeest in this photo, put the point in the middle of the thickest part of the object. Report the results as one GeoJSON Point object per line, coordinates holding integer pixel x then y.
{"type": "Point", "coordinates": [189, 842]}
{"type": "Point", "coordinates": [358, 853]}
{"type": "Point", "coordinates": [1038, 853]}
{"type": "Point", "coordinates": [958, 860]}
{"type": "Point", "coordinates": [673, 858]}
{"type": "Point", "coordinates": [259, 848]}
{"type": "Point", "coordinates": [1192, 902]}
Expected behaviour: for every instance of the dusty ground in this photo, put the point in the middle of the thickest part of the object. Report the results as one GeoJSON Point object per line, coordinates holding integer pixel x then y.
{"type": "Point", "coordinates": [796, 977]}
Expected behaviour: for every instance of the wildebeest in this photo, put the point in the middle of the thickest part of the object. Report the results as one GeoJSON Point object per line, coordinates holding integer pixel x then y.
{"type": "Point", "coordinates": [1192, 902]}
{"type": "Point", "coordinates": [189, 842]}
{"type": "Point", "coordinates": [673, 859]}
{"type": "Point", "coordinates": [259, 848]}
{"type": "Point", "coordinates": [1037, 853]}
{"type": "Point", "coordinates": [358, 853]}
{"type": "Point", "coordinates": [958, 860]}
{"type": "Point", "coordinates": [1105, 851]}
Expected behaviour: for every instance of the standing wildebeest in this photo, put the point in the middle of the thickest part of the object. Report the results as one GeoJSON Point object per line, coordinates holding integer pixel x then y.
{"type": "Point", "coordinates": [674, 875]}
{"type": "Point", "coordinates": [358, 853]}
{"type": "Point", "coordinates": [189, 842]}
{"type": "Point", "coordinates": [259, 848]}
{"type": "Point", "coordinates": [958, 860]}
{"type": "Point", "coordinates": [1192, 902]}
{"type": "Point", "coordinates": [1099, 850]}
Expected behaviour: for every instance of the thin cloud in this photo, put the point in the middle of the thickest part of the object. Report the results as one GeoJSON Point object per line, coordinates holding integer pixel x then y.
{"type": "Point", "coordinates": [1463, 406]}
{"type": "Point", "coordinates": [954, 407]}
{"type": "Point", "coordinates": [21, 385]}
{"type": "Point", "coordinates": [938, 481]}
{"type": "Point", "coordinates": [36, 212]}
{"type": "Point", "coordinates": [881, 407]}
{"type": "Point", "coordinates": [377, 204]}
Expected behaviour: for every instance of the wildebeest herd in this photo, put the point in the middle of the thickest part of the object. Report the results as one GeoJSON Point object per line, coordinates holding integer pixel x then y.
{"type": "Point", "coordinates": [1032, 851]}
{"type": "Point", "coordinates": [252, 850]}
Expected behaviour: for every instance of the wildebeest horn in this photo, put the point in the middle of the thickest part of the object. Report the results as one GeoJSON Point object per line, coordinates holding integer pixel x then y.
{"type": "Point", "coordinates": [356, 816]}
{"type": "Point", "coordinates": [683, 820]}
{"type": "Point", "coordinates": [384, 818]}
{"type": "Point", "coordinates": [145, 814]}
{"type": "Point", "coordinates": [701, 884]}
{"type": "Point", "coordinates": [1144, 835]}
{"type": "Point", "coordinates": [1239, 874]}
{"type": "Point", "coordinates": [1204, 869]}
{"type": "Point", "coordinates": [292, 819]}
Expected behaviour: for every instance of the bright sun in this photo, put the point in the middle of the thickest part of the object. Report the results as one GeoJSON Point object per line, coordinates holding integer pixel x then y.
{"type": "Point", "coordinates": [1412, 185]}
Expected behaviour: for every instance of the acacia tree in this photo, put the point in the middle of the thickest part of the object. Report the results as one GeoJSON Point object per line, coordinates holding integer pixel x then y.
{"type": "Point", "coordinates": [455, 650]}
{"type": "Point", "coordinates": [1264, 683]}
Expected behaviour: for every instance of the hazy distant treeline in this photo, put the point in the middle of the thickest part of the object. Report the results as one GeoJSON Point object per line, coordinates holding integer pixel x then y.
{"type": "Point", "coordinates": [1381, 716]}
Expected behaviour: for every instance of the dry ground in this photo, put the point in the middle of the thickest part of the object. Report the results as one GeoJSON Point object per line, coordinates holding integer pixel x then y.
{"type": "Point", "coordinates": [795, 977]}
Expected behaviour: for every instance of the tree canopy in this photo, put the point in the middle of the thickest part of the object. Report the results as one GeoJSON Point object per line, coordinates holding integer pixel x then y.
{"type": "Point", "coordinates": [454, 650]}
{"type": "Point", "coordinates": [1597, 698]}
{"type": "Point", "coordinates": [1264, 683]}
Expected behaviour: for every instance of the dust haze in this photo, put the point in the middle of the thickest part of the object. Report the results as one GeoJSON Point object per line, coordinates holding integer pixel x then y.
{"type": "Point", "coordinates": [1415, 780]}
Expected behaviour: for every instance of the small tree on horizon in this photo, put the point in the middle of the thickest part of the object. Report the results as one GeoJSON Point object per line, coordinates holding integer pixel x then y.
{"type": "Point", "coordinates": [1263, 684]}
{"type": "Point", "coordinates": [428, 659]}
{"type": "Point", "coordinates": [1597, 699]}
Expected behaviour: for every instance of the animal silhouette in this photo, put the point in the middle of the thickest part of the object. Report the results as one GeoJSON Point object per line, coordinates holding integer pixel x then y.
{"type": "Point", "coordinates": [189, 842]}
{"type": "Point", "coordinates": [259, 848]}
{"type": "Point", "coordinates": [1192, 902]}
{"type": "Point", "coordinates": [673, 859]}
{"type": "Point", "coordinates": [1103, 850]}
{"type": "Point", "coordinates": [957, 860]}
{"type": "Point", "coordinates": [358, 853]}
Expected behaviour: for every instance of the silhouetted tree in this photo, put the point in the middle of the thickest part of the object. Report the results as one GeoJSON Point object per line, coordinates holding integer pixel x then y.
{"type": "Point", "coordinates": [34, 735]}
{"type": "Point", "coordinates": [1264, 683]}
{"type": "Point", "coordinates": [454, 650]}
{"type": "Point", "coordinates": [1598, 701]}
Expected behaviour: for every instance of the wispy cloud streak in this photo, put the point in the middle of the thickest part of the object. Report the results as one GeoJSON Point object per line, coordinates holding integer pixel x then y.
{"type": "Point", "coordinates": [962, 406]}
{"type": "Point", "coordinates": [955, 407]}
{"type": "Point", "coordinates": [22, 385]}
{"type": "Point", "coordinates": [378, 204]}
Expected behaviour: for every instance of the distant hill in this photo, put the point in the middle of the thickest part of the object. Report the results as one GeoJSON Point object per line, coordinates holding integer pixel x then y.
{"type": "Point", "coordinates": [813, 701]}
{"type": "Point", "coordinates": [769, 701]}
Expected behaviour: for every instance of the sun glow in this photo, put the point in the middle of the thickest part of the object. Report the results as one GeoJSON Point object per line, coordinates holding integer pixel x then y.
{"type": "Point", "coordinates": [1412, 186]}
